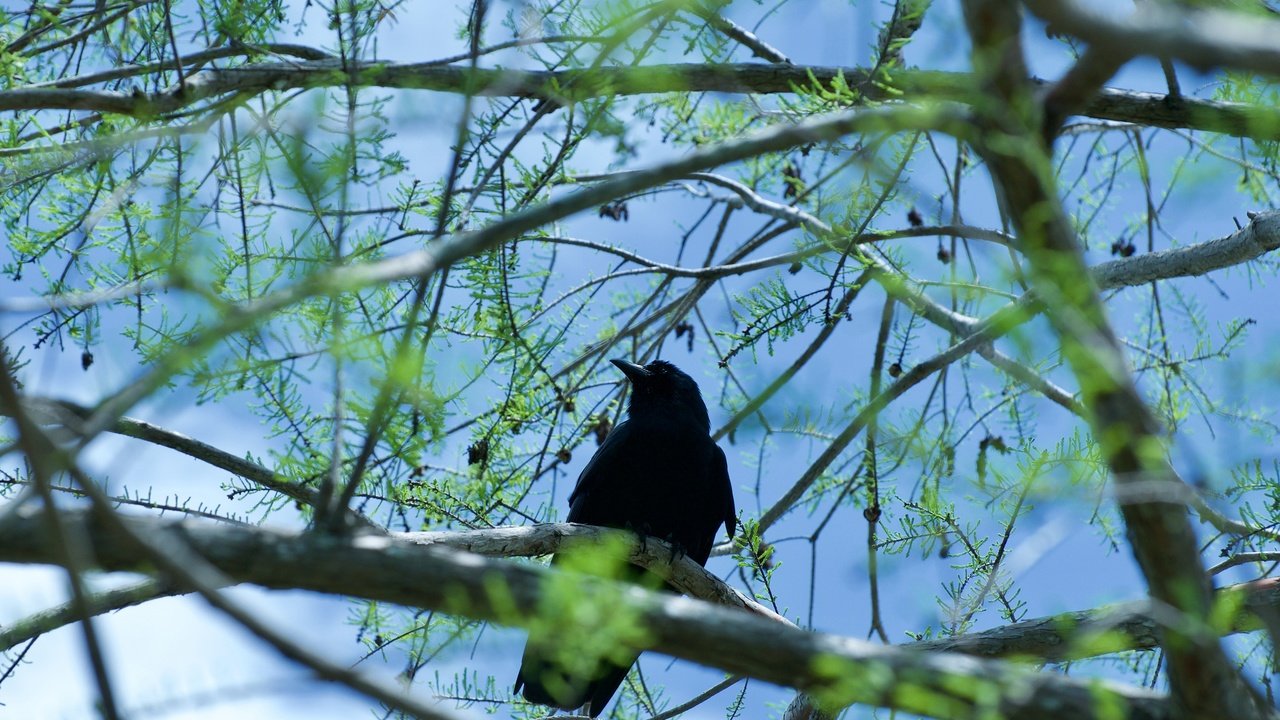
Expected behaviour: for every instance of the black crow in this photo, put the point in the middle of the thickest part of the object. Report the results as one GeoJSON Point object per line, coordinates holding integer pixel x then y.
{"type": "Point", "coordinates": [658, 473]}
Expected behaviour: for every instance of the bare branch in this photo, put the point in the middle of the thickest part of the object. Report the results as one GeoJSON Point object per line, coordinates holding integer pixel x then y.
{"type": "Point", "coordinates": [1059, 637]}
{"type": "Point", "coordinates": [1089, 633]}
{"type": "Point", "coordinates": [1244, 559]}
{"type": "Point", "coordinates": [1000, 322]}
{"type": "Point", "coordinates": [193, 59]}
{"type": "Point", "coordinates": [839, 670]}
{"type": "Point", "coordinates": [741, 35]}
{"type": "Point", "coordinates": [71, 547]}
{"type": "Point", "coordinates": [45, 621]}
{"type": "Point", "coordinates": [536, 540]}
{"type": "Point", "coordinates": [70, 415]}
{"type": "Point", "coordinates": [1260, 236]}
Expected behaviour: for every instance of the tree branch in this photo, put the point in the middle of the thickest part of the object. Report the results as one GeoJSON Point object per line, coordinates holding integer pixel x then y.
{"type": "Point", "coordinates": [450, 249]}
{"type": "Point", "coordinates": [969, 341]}
{"type": "Point", "coordinates": [1203, 38]}
{"type": "Point", "coordinates": [1203, 681]}
{"type": "Point", "coordinates": [836, 669]}
{"type": "Point", "coordinates": [1065, 636]}
{"type": "Point", "coordinates": [53, 618]}
{"type": "Point", "coordinates": [1089, 633]}
{"type": "Point", "coordinates": [739, 34]}
{"type": "Point", "coordinates": [1078, 87]}
{"type": "Point", "coordinates": [1260, 236]}
{"type": "Point", "coordinates": [547, 539]}
{"type": "Point", "coordinates": [70, 416]}
{"type": "Point", "coordinates": [1257, 121]}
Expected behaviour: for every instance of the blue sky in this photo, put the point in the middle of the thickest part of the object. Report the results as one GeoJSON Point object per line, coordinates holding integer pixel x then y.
{"type": "Point", "coordinates": [177, 648]}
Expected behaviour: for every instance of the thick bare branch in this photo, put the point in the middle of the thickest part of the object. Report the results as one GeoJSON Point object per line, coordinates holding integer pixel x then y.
{"type": "Point", "coordinates": [837, 669]}
{"type": "Point", "coordinates": [1073, 635]}
{"type": "Point", "coordinates": [656, 555]}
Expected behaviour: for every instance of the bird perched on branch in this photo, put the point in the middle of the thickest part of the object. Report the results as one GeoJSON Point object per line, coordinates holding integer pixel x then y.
{"type": "Point", "coordinates": [658, 473]}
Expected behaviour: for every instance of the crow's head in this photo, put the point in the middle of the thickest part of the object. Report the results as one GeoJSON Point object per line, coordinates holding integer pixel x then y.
{"type": "Point", "coordinates": [660, 388]}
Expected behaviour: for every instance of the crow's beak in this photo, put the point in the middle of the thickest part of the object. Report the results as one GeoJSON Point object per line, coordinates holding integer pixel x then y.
{"type": "Point", "coordinates": [635, 373]}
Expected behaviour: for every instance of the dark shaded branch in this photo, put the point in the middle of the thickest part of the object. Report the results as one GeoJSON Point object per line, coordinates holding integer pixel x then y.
{"type": "Point", "coordinates": [1204, 682]}
{"type": "Point", "coordinates": [192, 60]}
{"type": "Point", "coordinates": [1244, 559]}
{"type": "Point", "coordinates": [70, 416]}
{"type": "Point", "coordinates": [970, 340]}
{"type": "Point", "coordinates": [1079, 87]}
{"type": "Point", "coordinates": [1203, 38]}
{"type": "Point", "coordinates": [1149, 109]}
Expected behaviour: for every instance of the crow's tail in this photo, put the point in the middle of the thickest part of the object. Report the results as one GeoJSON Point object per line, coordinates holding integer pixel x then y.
{"type": "Point", "coordinates": [545, 684]}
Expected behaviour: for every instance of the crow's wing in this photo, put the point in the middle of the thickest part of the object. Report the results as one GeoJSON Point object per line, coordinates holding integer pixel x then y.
{"type": "Point", "coordinates": [605, 462]}
{"type": "Point", "coordinates": [724, 488]}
